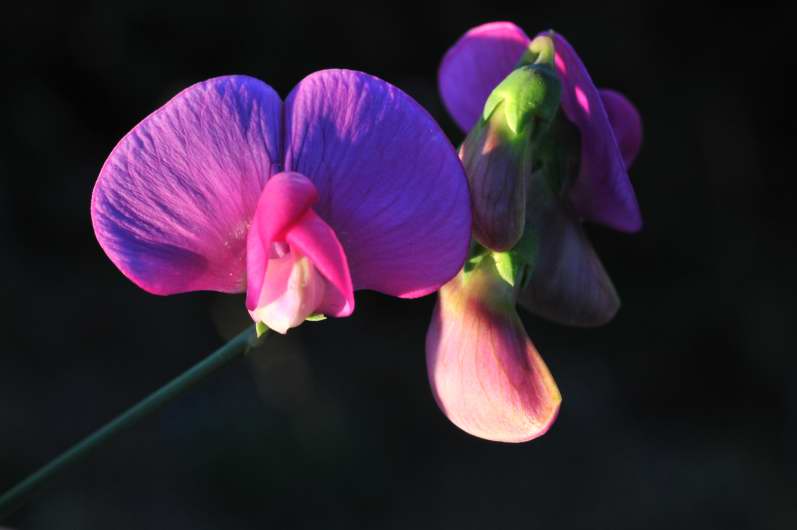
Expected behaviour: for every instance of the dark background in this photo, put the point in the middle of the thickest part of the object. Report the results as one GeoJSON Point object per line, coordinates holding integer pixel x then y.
{"type": "Point", "coordinates": [680, 413]}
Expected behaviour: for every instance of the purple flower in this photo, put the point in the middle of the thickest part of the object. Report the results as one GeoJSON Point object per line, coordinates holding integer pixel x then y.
{"type": "Point", "coordinates": [484, 371]}
{"type": "Point", "coordinates": [348, 184]}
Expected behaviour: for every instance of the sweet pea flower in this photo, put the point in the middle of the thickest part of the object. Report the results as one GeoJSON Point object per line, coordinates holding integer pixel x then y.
{"type": "Point", "coordinates": [347, 184]}
{"type": "Point", "coordinates": [567, 167]}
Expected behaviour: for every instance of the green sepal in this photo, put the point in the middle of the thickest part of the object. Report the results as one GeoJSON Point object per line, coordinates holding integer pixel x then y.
{"type": "Point", "coordinates": [316, 317]}
{"type": "Point", "coordinates": [513, 265]}
{"type": "Point", "coordinates": [530, 94]}
{"type": "Point", "coordinates": [260, 329]}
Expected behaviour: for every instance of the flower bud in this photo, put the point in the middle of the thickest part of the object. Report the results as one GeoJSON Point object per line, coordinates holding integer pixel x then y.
{"type": "Point", "coordinates": [498, 154]}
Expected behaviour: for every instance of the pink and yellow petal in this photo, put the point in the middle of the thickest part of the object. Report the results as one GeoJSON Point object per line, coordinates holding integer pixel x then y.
{"type": "Point", "coordinates": [485, 373]}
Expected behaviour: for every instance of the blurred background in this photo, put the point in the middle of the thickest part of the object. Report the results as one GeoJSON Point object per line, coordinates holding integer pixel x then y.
{"type": "Point", "coordinates": [679, 413]}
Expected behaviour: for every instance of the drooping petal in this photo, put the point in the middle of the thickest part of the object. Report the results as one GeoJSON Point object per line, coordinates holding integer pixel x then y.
{"type": "Point", "coordinates": [474, 66]}
{"type": "Point", "coordinates": [389, 182]}
{"type": "Point", "coordinates": [626, 123]}
{"type": "Point", "coordinates": [285, 199]}
{"type": "Point", "coordinates": [173, 202]}
{"type": "Point", "coordinates": [485, 373]}
{"type": "Point", "coordinates": [568, 282]}
{"type": "Point", "coordinates": [602, 192]}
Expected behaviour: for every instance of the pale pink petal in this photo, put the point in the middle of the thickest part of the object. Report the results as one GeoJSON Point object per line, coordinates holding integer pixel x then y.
{"type": "Point", "coordinates": [474, 66]}
{"type": "Point", "coordinates": [389, 182]}
{"type": "Point", "coordinates": [292, 290]}
{"type": "Point", "coordinates": [626, 123]}
{"type": "Point", "coordinates": [173, 202]}
{"type": "Point", "coordinates": [485, 373]}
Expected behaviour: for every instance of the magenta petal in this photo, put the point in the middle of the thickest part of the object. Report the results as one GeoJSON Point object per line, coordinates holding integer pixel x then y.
{"type": "Point", "coordinates": [389, 182]}
{"type": "Point", "coordinates": [602, 192]}
{"type": "Point", "coordinates": [486, 374]}
{"type": "Point", "coordinates": [285, 199]}
{"type": "Point", "coordinates": [173, 201]}
{"type": "Point", "coordinates": [626, 123]}
{"type": "Point", "coordinates": [316, 240]}
{"type": "Point", "coordinates": [474, 66]}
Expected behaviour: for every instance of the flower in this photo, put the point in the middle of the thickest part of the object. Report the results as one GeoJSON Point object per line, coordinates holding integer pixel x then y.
{"type": "Point", "coordinates": [348, 184]}
{"type": "Point", "coordinates": [484, 371]}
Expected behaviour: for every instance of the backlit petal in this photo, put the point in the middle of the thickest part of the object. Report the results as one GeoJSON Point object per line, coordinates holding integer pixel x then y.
{"type": "Point", "coordinates": [486, 374]}
{"type": "Point", "coordinates": [173, 202]}
{"type": "Point", "coordinates": [474, 66]}
{"type": "Point", "coordinates": [602, 192]}
{"type": "Point", "coordinates": [390, 184]}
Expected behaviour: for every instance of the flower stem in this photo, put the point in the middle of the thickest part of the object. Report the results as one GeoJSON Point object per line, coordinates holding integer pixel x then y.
{"type": "Point", "coordinates": [16, 497]}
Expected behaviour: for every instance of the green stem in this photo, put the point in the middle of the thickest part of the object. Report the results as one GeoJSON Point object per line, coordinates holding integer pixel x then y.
{"type": "Point", "coordinates": [15, 497]}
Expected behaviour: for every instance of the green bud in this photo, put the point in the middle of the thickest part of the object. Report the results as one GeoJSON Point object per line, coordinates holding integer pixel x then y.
{"type": "Point", "coordinates": [530, 95]}
{"type": "Point", "coordinates": [502, 149]}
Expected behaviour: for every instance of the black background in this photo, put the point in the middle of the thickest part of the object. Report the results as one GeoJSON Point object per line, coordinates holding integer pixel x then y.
{"type": "Point", "coordinates": [680, 413]}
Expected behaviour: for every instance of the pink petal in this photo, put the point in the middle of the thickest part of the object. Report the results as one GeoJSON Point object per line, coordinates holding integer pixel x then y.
{"type": "Point", "coordinates": [485, 373]}
{"type": "Point", "coordinates": [626, 123]}
{"type": "Point", "coordinates": [390, 184]}
{"type": "Point", "coordinates": [316, 240]}
{"type": "Point", "coordinates": [285, 199]}
{"type": "Point", "coordinates": [474, 66]}
{"type": "Point", "coordinates": [172, 204]}
{"type": "Point", "coordinates": [602, 192]}
{"type": "Point", "coordinates": [292, 290]}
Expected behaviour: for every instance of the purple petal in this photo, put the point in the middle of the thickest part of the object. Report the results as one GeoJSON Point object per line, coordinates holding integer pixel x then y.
{"type": "Point", "coordinates": [173, 202]}
{"type": "Point", "coordinates": [389, 182]}
{"type": "Point", "coordinates": [568, 284]}
{"type": "Point", "coordinates": [602, 192]}
{"type": "Point", "coordinates": [474, 66]}
{"type": "Point", "coordinates": [486, 374]}
{"type": "Point", "coordinates": [626, 123]}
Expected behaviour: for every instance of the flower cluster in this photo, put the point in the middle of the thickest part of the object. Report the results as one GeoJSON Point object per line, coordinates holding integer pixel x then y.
{"type": "Point", "coordinates": [546, 150]}
{"type": "Point", "coordinates": [349, 184]}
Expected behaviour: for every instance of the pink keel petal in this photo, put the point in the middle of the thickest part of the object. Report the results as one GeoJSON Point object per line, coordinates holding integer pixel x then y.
{"type": "Point", "coordinates": [173, 201]}
{"type": "Point", "coordinates": [316, 240]}
{"type": "Point", "coordinates": [602, 192]}
{"type": "Point", "coordinates": [626, 124]}
{"type": "Point", "coordinates": [474, 66]}
{"type": "Point", "coordinates": [292, 290]}
{"type": "Point", "coordinates": [284, 287]}
{"type": "Point", "coordinates": [389, 182]}
{"type": "Point", "coordinates": [485, 373]}
{"type": "Point", "coordinates": [283, 201]}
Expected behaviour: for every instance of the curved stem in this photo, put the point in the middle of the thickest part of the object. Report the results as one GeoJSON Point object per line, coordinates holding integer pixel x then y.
{"type": "Point", "coordinates": [15, 497]}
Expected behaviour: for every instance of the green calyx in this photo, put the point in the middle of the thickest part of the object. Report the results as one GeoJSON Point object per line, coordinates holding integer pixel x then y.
{"type": "Point", "coordinates": [530, 97]}
{"type": "Point", "coordinates": [512, 266]}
